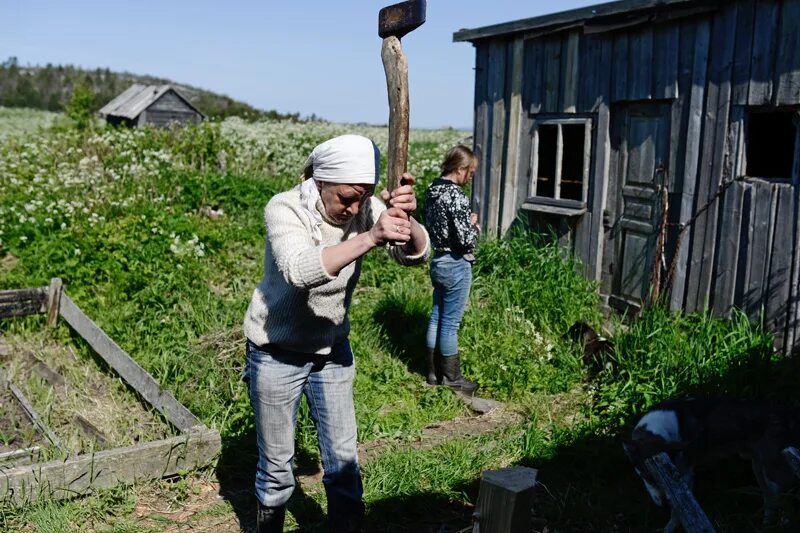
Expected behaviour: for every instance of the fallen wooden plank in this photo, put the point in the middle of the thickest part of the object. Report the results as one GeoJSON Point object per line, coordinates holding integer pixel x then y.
{"type": "Point", "coordinates": [64, 479]}
{"type": "Point", "coordinates": [53, 378]}
{"type": "Point", "coordinates": [126, 367]}
{"type": "Point", "coordinates": [43, 428]}
{"type": "Point", "coordinates": [30, 412]}
{"type": "Point", "coordinates": [680, 498]}
{"type": "Point", "coordinates": [90, 430]}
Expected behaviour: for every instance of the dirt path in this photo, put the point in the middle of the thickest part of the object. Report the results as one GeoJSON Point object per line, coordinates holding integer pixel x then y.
{"type": "Point", "coordinates": [200, 506]}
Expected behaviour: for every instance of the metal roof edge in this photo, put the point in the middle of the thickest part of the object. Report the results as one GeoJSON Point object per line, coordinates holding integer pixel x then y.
{"type": "Point", "coordinates": [564, 17]}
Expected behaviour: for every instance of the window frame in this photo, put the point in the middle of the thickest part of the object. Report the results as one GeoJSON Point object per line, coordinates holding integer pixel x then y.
{"type": "Point", "coordinates": [556, 204]}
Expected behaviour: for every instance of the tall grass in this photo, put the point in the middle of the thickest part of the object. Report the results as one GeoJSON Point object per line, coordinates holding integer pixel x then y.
{"type": "Point", "coordinates": [526, 296]}
{"type": "Point", "coordinates": [665, 354]}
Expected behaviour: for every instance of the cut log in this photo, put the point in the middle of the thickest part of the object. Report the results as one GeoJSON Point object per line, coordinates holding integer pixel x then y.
{"type": "Point", "coordinates": [505, 500]}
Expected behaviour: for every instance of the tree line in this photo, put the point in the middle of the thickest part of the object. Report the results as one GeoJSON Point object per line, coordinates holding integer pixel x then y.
{"type": "Point", "coordinates": [50, 87]}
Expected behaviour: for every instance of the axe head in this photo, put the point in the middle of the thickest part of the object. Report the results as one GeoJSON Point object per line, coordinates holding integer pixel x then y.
{"type": "Point", "coordinates": [399, 19]}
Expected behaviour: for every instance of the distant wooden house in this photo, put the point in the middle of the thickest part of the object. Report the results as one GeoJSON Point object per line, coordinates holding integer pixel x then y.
{"type": "Point", "coordinates": [157, 105]}
{"type": "Point", "coordinates": [659, 139]}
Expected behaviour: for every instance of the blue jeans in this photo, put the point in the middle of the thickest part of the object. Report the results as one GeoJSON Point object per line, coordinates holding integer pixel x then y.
{"type": "Point", "coordinates": [276, 379]}
{"type": "Point", "coordinates": [451, 276]}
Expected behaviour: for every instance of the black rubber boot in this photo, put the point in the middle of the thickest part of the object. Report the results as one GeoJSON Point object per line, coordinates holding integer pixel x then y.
{"type": "Point", "coordinates": [451, 375]}
{"type": "Point", "coordinates": [270, 519]}
{"type": "Point", "coordinates": [434, 373]}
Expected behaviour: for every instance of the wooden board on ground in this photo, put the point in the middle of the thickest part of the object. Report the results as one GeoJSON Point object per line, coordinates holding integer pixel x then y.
{"type": "Point", "coordinates": [151, 435]}
{"type": "Point", "coordinates": [17, 432]}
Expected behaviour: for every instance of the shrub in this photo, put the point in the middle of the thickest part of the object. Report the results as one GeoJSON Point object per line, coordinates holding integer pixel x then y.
{"type": "Point", "coordinates": [80, 106]}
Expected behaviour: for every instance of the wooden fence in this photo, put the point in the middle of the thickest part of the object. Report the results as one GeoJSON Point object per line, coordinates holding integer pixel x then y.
{"type": "Point", "coordinates": [20, 483]}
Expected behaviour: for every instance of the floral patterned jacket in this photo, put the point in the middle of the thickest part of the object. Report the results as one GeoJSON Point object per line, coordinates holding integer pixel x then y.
{"type": "Point", "coordinates": [447, 218]}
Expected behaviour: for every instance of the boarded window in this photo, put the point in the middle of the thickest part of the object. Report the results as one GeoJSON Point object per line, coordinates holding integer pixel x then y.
{"type": "Point", "coordinates": [560, 159]}
{"type": "Point", "coordinates": [771, 144]}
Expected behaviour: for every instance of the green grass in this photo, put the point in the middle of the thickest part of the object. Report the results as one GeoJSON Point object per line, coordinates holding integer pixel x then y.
{"type": "Point", "coordinates": [665, 354]}
{"type": "Point", "coordinates": [118, 216]}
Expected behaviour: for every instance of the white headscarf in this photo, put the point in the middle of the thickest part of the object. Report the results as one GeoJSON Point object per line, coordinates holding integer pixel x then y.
{"type": "Point", "coordinates": [350, 159]}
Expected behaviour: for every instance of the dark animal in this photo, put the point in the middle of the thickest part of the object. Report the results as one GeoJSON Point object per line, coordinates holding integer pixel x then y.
{"type": "Point", "coordinates": [701, 431]}
{"type": "Point", "coordinates": [597, 350]}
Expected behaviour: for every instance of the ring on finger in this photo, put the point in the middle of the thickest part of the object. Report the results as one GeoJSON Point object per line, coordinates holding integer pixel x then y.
{"type": "Point", "coordinates": [396, 228]}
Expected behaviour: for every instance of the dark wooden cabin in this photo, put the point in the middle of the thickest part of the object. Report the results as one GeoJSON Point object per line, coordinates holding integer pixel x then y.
{"type": "Point", "coordinates": [157, 105]}
{"type": "Point", "coordinates": [658, 140]}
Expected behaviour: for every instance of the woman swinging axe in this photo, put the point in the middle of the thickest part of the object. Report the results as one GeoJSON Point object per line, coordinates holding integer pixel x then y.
{"type": "Point", "coordinates": [297, 323]}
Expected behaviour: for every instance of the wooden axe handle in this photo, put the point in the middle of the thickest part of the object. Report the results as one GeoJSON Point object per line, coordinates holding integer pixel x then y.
{"type": "Point", "coordinates": [396, 67]}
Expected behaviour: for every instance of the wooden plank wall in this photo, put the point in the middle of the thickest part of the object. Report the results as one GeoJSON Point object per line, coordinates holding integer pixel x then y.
{"type": "Point", "coordinates": [717, 105]}
{"type": "Point", "coordinates": [741, 251]}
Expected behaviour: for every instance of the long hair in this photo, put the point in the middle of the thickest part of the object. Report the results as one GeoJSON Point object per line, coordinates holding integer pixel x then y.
{"type": "Point", "coordinates": [456, 158]}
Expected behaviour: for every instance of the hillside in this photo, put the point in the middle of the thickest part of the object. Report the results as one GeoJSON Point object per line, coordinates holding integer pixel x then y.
{"type": "Point", "coordinates": [51, 86]}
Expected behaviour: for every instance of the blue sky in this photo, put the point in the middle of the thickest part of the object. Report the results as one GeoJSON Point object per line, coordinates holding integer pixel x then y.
{"type": "Point", "coordinates": [306, 56]}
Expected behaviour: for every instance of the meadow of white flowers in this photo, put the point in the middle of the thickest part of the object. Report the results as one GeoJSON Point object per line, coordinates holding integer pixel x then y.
{"type": "Point", "coordinates": [15, 122]}
{"type": "Point", "coordinates": [53, 180]}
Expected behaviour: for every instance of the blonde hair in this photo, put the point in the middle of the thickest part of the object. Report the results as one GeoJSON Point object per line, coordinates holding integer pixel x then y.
{"type": "Point", "coordinates": [456, 158]}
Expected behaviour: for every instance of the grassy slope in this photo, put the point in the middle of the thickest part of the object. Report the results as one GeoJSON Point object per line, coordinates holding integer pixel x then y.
{"type": "Point", "coordinates": [118, 216]}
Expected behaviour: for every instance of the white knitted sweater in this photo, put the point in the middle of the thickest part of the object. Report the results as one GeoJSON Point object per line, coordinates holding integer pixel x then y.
{"type": "Point", "coordinates": [297, 305]}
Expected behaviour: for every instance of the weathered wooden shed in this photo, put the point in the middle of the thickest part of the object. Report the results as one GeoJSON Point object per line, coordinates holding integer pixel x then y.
{"type": "Point", "coordinates": [157, 105]}
{"type": "Point", "coordinates": [658, 139]}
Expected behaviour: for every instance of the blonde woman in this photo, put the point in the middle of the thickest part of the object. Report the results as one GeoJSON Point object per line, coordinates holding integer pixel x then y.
{"type": "Point", "coordinates": [454, 233]}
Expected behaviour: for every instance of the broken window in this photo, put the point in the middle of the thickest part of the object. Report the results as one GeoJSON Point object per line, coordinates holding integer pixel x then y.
{"type": "Point", "coordinates": [770, 144]}
{"type": "Point", "coordinates": [560, 158]}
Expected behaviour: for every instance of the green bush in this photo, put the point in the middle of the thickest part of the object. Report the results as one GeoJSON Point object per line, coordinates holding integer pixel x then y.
{"type": "Point", "coordinates": [80, 107]}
